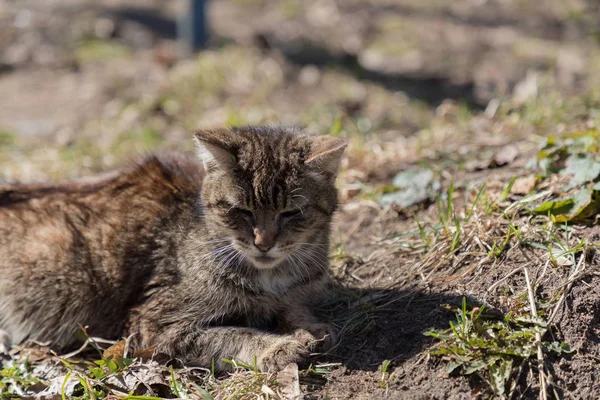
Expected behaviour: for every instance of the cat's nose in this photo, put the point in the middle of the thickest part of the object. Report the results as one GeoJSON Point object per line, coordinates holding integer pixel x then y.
{"type": "Point", "coordinates": [262, 247]}
{"type": "Point", "coordinates": [263, 240]}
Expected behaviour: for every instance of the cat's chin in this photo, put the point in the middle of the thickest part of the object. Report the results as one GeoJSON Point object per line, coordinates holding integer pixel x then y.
{"type": "Point", "coordinates": [265, 262]}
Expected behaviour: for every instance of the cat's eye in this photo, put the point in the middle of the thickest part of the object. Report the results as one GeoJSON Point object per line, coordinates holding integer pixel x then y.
{"type": "Point", "coordinates": [290, 214]}
{"type": "Point", "coordinates": [224, 204]}
{"type": "Point", "coordinates": [246, 213]}
{"type": "Point", "coordinates": [228, 207]}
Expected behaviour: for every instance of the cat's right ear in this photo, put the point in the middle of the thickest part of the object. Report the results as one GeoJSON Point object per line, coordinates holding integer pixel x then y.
{"type": "Point", "coordinates": [212, 151]}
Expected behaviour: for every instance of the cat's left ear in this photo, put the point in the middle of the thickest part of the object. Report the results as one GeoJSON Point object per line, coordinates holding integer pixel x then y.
{"type": "Point", "coordinates": [214, 150]}
{"type": "Point", "coordinates": [326, 153]}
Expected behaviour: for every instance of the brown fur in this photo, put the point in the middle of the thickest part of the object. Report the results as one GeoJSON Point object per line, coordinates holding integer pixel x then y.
{"type": "Point", "coordinates": [200, 265]}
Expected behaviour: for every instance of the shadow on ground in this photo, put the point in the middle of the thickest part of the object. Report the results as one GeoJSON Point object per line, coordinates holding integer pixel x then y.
{"type": "Point", "coordinates": [430, 89]}
{"type": "Point", "coordinates": [158, 24]}
{"type": "Point", "coordinates": [378, 325]}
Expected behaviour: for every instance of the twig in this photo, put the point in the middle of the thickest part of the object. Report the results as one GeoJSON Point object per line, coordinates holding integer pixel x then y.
{"type": "Point", "coordinates": [79, 350]}
{"type": "Point", "coordinates": [127, 347]}
{"type": "Point", "coordinates": [538, 339]}
{"type": "Point", "coordinates": [89, 340]}
{"type": "Point", "coordinates": [565, 293]}
{"type": "Point", "coordinates": [513, 385]}
{"type": "Point", "coordinates": [497, 283]}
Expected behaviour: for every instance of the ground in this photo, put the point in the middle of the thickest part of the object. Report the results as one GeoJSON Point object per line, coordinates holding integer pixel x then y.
{"type": "Point", "coordinates": [466, 121]}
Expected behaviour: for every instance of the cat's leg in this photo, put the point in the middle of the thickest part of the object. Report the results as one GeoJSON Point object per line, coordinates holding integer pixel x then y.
{"type": "Point", "coordinates": [4, 342]}
{"type": "Point", "coordinates": [269, 351]}
{"type": "Point", "coordinates": [299, 317]}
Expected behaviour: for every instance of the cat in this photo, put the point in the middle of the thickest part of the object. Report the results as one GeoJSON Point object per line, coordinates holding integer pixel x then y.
{"type": "Point", "coordinates": [202, 259]}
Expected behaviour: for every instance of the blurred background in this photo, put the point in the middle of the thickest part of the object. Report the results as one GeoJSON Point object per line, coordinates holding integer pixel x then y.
{"type": "Point", "coordinates": [85, 84]}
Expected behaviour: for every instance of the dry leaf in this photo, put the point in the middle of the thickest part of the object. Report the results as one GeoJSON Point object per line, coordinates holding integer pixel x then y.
{"type": "Point", "coordinates": [116, 350]}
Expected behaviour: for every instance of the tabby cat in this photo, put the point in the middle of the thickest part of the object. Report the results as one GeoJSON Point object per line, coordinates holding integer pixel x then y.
{"type": "Point", "coordinates": [201, 261]}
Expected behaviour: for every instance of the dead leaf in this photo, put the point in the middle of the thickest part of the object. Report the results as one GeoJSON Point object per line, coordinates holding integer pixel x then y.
{"type": "Point", "coordinates": [34, 352]}
{"type": "Point", "coordinates": [140, 379]}
{"type": "Point", "coordinates": [116, 350]}
{"type": "Point", "coordinates": [351, 191]}
{"type": "Point", "coordinates": [413, 187]}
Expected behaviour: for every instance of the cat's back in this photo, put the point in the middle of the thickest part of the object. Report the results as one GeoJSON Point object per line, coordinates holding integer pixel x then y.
{"type": "Point", "coordinates": [112, 211]}
{"type": "Point", "coordinates": [109, 211]}
{"type": "Point", "coordinates": [166, 174]}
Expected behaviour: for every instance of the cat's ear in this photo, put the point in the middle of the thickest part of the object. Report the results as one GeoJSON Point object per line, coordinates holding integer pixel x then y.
{"type": "Point", "coordinates": [326, 153]}
{"type": "Point", "coordinates": [213, 150]}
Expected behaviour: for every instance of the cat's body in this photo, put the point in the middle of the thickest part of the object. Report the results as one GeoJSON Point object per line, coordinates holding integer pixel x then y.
{"type": "Point", "coordinates": [198, 262]}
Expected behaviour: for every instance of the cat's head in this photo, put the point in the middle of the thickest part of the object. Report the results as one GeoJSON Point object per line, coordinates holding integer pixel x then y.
{"type": "Point", "coordinates": [270, 191]}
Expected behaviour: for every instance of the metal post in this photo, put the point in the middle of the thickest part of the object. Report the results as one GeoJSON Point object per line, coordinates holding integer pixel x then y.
{"type": "Point", "coordinates": [192, 32]}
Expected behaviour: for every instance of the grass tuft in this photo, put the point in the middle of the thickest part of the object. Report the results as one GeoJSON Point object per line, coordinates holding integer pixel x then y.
{"type": "Point", "coordinates": [492, 346]}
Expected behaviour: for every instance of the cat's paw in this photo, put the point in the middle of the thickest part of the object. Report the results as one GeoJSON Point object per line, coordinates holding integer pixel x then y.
{"type": "Point", "coordinates": [324, 334]}
{"type": "Point", "coordinates": [286, 350]}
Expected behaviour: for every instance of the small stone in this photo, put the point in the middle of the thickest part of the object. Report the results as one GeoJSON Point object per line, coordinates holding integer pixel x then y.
{"type": "Point", "coordinates": [523, 185]}
{"type": "Point", "coordinates": [309, 76]}
{"type": "Point", "coordinates": [506, 155]}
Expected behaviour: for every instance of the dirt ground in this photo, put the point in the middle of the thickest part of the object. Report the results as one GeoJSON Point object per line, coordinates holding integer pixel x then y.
{"type": "Point", "coordinates": [467, 90]}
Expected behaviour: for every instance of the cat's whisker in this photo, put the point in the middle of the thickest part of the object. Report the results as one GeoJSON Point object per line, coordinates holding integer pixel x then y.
{"type": "Point", "coordinates": [216, 253]}
{"type": "Point", "coordinates": [231, 258]}
{"type": "Point", "coordinates": [209, 244]}
{"type": "Point", "coordinates": [298, 207]}
{"type": "Point", "coordinates": [310, 249]}
{"type": "Point", "coordinates": [223, 239]}
{"type": "Point", "coordinates": [218, 240]}
{"type": "Point", "coordinates": [180, 226]}
{"type": "Point", "coordinates": [238, 257]}
{"type": "Point", "coordinates": [290, 259]}
{"type": "Point", "coordinates": [225, 256]}
{"type": "Point", "coordinates": [302, 267]}
{"type": "Point", "coordinates": [299, 195]}
{"type": "Point", "coordinates": [306, 268]}
{"type": "Point", "coordinates": [302, 260]}
{"type": "Point", "coordinates": [234, 205]}
{"type": "Point", "coordinates": [306, 253]}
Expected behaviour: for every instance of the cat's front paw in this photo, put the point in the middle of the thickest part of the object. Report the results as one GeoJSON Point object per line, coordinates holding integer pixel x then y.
{"type": "Point", "coordinates": [288, 349]}
{"type": "Point", "coordinates": [324, 334]}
